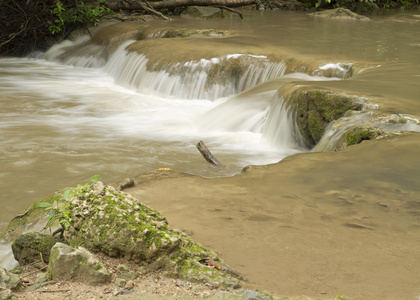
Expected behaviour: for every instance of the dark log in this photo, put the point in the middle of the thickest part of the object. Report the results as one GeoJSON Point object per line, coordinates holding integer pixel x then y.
{"type": "Point", "coordinates": [207, 154]}
{"type": "Point", "coordinates": [172, 4]}
{"type": "Point", "coordinates": [179, 3]}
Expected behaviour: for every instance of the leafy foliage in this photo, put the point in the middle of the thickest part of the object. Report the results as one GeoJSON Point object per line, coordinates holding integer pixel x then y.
{"type": "Point", "coordinates": [28, 25]}
{"type": "Point", "coordinates": [79, 14]}
{"type": "Point", "coordinates": [59, 210]}
{"type": "Point", "coordinates": [353, 3]}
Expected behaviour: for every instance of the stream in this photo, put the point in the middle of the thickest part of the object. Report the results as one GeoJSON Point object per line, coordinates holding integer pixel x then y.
{"type": "Point", "coordinates": [82, 109]}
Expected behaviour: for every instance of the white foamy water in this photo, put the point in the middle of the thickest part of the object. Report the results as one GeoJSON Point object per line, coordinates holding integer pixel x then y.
{"type": "Point", "coordinates": [73, 108]}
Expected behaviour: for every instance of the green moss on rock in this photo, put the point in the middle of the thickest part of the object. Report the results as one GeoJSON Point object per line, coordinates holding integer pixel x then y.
{"type": "Point", "coordinates": [316, 108]}
{"type": "Point", "coordinates": [30, 247]}
{"type": "Point", "coordinates": [359, 134]}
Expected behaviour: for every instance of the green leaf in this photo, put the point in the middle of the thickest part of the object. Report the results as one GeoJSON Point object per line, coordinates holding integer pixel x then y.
{"type": "Point", "coordinates": [43, 204]}
{"type": "Point", "coordinates": [95, 178]}
{"type": "Point", "coordinates": [68, 194]}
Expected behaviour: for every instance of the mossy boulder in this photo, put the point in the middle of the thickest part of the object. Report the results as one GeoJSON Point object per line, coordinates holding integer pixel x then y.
{"type": "Point", "coordinates": [316, 108]}
{"type": "Point", "coordinates": [113, 222]}
{"type": "Point", "coordinates": [33, 246]}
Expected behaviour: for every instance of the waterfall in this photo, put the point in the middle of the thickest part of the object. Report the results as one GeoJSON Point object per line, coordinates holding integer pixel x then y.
{"type": "Point", "coordinates": [280, 129]}
{"type": "Point", "coordinates": [205, 79]}
{"type": "Point", "coordinates": [243, 87]}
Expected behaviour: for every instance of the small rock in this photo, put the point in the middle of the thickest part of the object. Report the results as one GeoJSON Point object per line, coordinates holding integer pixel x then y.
{"type": "Point", "coordinates": [129, 276]}
{"type": "Point", "coordinates": [123, 268]}
{"type": "Point", "coordinates": [6, 295]}
{"type": "Point", "coordinates": [254, 295]}
{"type": "Point", "coordinates": [120, 282]}
{"type": "Point", "coordinates": [126, 183]}
{"type": "Point", "coordinates": [8, 280]}
{"type": "Point", "coordinates": [130, 285]}
{"type": "Point", "coordinates": [41, 277]}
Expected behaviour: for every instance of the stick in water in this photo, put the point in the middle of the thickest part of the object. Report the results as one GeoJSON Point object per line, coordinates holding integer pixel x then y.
{"type": "Point", "coordinates": [207, 154]}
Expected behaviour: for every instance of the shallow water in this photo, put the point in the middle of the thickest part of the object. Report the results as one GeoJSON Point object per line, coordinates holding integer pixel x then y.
{"type": "Point", "coordinates": [61, 123]}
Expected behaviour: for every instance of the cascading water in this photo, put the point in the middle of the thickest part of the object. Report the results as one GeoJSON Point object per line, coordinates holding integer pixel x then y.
{"type": "Point", "coordinates": [205, 79]}
{"type": "Point", "coordinates": [159, 100]}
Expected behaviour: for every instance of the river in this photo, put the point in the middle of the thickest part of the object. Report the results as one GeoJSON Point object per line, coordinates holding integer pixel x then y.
{"type": "Point", "coordinates": [83, 109]}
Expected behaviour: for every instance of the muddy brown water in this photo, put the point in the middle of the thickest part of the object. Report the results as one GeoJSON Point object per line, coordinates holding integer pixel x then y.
{"type": "Point", "coordinates": [318, 224]}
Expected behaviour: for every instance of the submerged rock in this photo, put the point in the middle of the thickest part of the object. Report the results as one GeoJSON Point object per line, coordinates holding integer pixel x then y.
{"type": "Point", "coordinates": [68, 263]}
{"type": "Point", "coordinates": [340, 13]}
{"type": "Point", "coordinates": [33, 246]}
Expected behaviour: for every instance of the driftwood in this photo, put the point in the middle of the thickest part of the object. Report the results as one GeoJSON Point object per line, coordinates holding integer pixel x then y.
{"type": "Point", "coordinates": [207, 154]}
{"type": "Point", "coordinates": [136, 5]}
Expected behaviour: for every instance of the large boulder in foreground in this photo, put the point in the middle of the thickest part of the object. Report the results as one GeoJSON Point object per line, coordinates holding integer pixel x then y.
{"type": "Point", "coordinates": [68, 263]}
{"type": "Point", "coordinates": [105, 220]}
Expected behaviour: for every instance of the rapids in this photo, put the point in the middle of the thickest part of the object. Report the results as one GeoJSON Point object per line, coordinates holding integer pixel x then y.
{"type": "Point", "coordinates": [119, 108]}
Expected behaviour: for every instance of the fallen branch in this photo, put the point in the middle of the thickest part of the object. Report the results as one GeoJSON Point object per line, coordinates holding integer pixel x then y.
{"type": "Point", "coordinates": [207, 154]}
{"type": "Point", "coordinates": [54, 291]}
{"type": "Point", "coordinates": [150, 9]}
{"type": "Point", "coordinates": [172, 4]}
{"type": "Point", "coordinates": [178, 3]}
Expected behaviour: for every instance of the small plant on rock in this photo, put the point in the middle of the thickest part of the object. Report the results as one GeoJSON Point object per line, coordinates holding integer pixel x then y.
{"type": "Point", "coordinates": [59, 209]}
